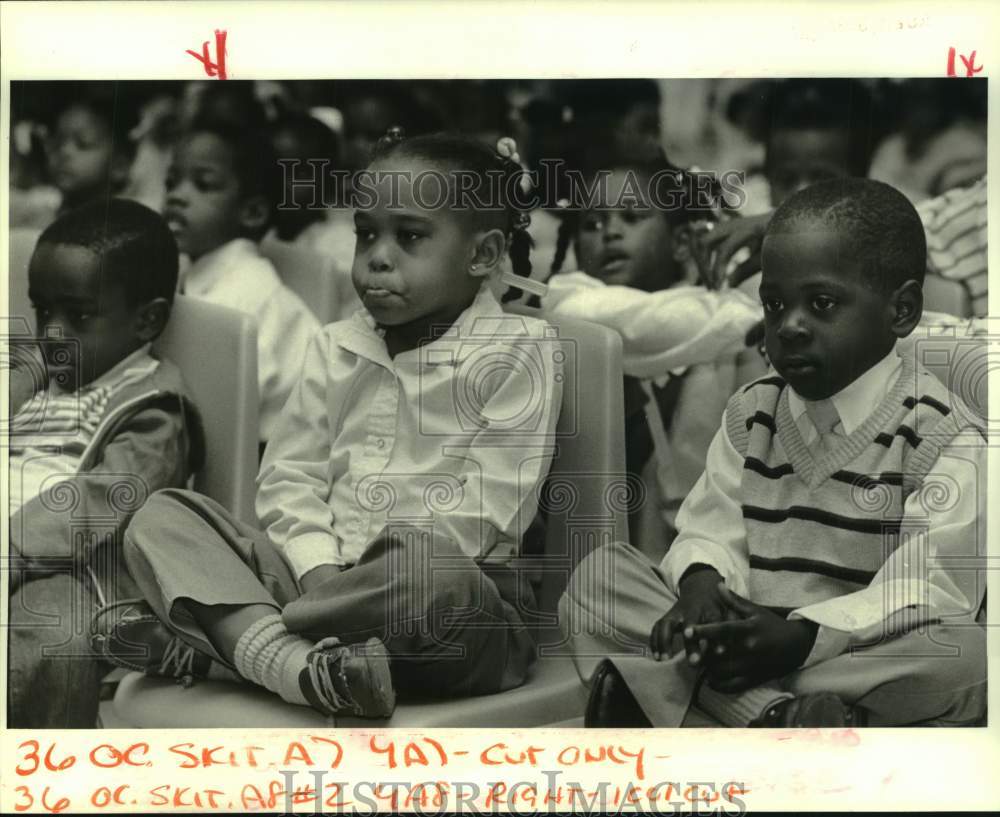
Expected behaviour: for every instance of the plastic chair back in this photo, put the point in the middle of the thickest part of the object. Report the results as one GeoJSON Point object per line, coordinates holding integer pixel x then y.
{"type": "Point", "coordinates": [584, 499]}
{"type": "Point", "coordinates": [216, 350]}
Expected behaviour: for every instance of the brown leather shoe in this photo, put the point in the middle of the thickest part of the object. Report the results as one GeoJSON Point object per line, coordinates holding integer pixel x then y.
{"type": "Point", "coordinates": [821, 709]}
{"type": "Point", "coordinates": [611, 703]}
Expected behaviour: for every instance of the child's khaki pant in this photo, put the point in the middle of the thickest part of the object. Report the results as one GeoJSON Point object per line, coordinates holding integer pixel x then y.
{"type": "Point", "coordinates": [616, 595]}
{"type": "Point", "coordinates": [450, 629]}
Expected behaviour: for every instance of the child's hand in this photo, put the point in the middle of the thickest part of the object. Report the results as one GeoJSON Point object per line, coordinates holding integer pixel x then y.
{"type": "Point", "coordinates": [317, 576]}
{"type": "Point", "coordinates": [728, 238]}
{"type": "Point", "coordinates": [699, 602]}
{"type": "Point", "coordinates": [758, 646]}
{"type": "Point", "coordinates": [701, 254]}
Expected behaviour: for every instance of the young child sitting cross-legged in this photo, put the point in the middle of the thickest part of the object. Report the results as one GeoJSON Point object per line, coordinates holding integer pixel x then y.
{"type": "Point", "coordinates": [400, 477]}
{"type": "Point", "coordinates": [827, 569]}
{"type": "Point", "coordinates": [97, 424]}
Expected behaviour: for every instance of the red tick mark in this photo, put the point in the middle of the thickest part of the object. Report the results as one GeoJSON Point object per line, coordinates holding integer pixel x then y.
{"type": "Point", "coordinates": [217, 67]}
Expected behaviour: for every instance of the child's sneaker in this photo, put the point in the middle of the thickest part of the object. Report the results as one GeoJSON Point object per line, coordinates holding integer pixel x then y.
{"type": "Point", "coordinates": [128, 634]}
{"type": "Point", "coordinates": [349, 679]}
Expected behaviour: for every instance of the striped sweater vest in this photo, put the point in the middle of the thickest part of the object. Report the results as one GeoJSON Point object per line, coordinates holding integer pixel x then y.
{"type": "Point", "coordinates": [818, 528]}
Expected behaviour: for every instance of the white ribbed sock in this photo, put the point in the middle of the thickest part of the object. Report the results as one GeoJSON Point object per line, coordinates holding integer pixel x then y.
{"type": "Point", "coordinates": [270, 656]}
{"type": "Point", "coordinates": [738, 710]}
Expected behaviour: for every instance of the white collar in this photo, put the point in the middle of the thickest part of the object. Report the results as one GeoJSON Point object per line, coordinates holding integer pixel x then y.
{"type": "Point", "coordinates": [138, 362]}
{"type": "Point", "coordinates": [479, 322]}
{"type": "Point", "coordinates": [858, 399]}
{"type": "Point", "coordinates": [204, 273]}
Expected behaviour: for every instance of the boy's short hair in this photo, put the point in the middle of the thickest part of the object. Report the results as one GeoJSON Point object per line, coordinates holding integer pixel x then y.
{"type": "Point", "coordinates": [826, 104]}
{"type": "Point", "coordinates": [135, 247]}
{"type": "Point", "coordinates": [254, 160]}
{"type": "Point", "coordinates": [881, 225]}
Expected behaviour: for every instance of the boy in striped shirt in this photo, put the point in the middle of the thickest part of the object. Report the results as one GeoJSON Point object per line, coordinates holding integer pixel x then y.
{"type": "Point", "coordinates": [97, 424]}
{"type": "Point", "coordinates": [828, 566]}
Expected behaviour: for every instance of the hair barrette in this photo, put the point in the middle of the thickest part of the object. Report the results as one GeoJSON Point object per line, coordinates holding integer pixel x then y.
{"type": "Point", "coordinates": [527, 284]}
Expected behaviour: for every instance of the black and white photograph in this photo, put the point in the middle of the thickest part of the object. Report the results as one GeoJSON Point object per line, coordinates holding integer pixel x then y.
{"type": "Point", "coordinates": [442, 407]}
{"type": "Point", "coordinates": [606, 402]}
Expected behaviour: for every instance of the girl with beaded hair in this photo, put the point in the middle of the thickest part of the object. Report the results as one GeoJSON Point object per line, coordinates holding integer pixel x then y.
{"type": "Point", "coordinates": [400, 479]}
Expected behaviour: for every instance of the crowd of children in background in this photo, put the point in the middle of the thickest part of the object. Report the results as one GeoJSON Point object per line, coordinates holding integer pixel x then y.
{"type": "Point", "coordinates": [72, 142]}
{"type": "Point", "coordinates": [228, 166]}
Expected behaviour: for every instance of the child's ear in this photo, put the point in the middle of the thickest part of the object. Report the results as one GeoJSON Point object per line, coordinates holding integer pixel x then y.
{"type": "Point", "coordinates": [488, 253]}
{"type": "Point", "coordinates": [907, 305]}
{"type": "Point", "coordinates": [152, 319]}
{"type": "Point", "coordinates": [255, 214]}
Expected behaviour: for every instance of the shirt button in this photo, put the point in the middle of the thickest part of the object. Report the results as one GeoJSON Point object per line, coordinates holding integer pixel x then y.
{"type": "Point", "coordinates": [380, 443]}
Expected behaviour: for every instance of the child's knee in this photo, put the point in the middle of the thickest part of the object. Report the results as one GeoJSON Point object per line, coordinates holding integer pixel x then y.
{"type": "Point", "coordinates": [966, 662]}
{"type": "Point", "coordinates": [588, 583]}
{"type": "Point", "coordinates": [960, 674]}
{"type": "Point", "coordinates": [53, 676]}
{"type": "Point", "coordinates": [158, 504]}
{"type": "Point", "coordinates": [157, 514]}
{"type": "Point", "coordinates": [464, 590]}
{"type": "Point", "coordinates": [49, 622]}
{"type": "Point", "coordinates": [598, 572]}
{"type": "Point", "coordinates": [415, 554]}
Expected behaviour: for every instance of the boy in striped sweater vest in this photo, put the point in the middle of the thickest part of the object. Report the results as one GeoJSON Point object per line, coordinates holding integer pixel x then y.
{"type": "Point", "coordinates": [828, 568]}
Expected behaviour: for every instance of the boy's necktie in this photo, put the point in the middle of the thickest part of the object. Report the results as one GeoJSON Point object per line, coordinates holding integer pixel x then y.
{"type": "Point", "coordinates": [825, 418]}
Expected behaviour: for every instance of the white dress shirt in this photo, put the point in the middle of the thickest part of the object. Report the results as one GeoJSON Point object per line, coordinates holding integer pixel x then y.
{"type": "Point", "coordinates": [458, 432]}
{"type": "Point", "coordinates": [712, 530]}
{"type": "Point", "coordinates": [238, 276]}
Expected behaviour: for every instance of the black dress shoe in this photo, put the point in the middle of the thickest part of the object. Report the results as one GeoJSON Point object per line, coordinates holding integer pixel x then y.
{"type": "Point", "coordinates": [818, 710]}
{"type": "Point", "coordinates": [611, 703]}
